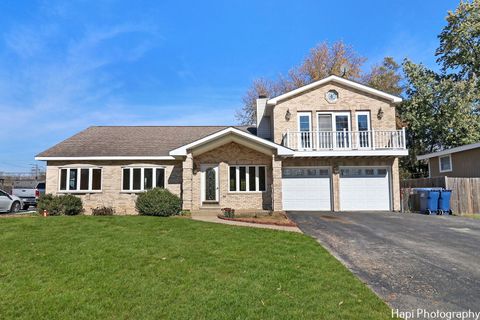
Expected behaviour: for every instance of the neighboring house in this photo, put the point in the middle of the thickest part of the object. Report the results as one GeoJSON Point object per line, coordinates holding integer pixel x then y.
{"type": "Point", "coordinates": [330, 145]}
{"type": "Point", "coordinates": [461, 161]}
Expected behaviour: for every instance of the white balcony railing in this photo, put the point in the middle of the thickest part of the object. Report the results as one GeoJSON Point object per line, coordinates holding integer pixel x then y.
{"type": "Point", "coordinates": [345, 140]}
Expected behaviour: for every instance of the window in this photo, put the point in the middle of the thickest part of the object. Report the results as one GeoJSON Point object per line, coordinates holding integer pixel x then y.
{"type": "Point", "coordinates": [247, 178]}
{"type": "Point", "coordinates": [307, 172]}
{"type": "Point", "coordinates": [80, 179]}
{"type": "Point", "coordinates": [73, 180]}
{"type": "Point", "coordinates": [445, 163]}
{"type": "Point", "coordinates": [363, 172]}
{"type": "Point", "coordinates": [363, 127]}
{"type": "Point", "coordinates": [252, 182]}
{"type": "Point", "coordinates": [140, 179]}
{"type": "Point", "coordinates": [304, 121]}
{"type": "Point", "coordinates": [333, 130]}
{"type": "Point", "coordinates": [363, 121]}
{"type": "Point", "coordinates": [233, 178]}
{"type": "Point", "coordinates": [243, 178]}
{"type": "Point", "coordinates": [381, 172]}
{"type": "Point", "coordinates": [305, 128]}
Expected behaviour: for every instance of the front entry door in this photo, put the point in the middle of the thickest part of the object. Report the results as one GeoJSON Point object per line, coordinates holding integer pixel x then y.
{"type": "Point", "coordinates": [209, 183]}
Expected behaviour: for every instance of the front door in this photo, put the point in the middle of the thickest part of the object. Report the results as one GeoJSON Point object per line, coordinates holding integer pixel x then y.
{"type": "Point", "coordinates": [209, 183]}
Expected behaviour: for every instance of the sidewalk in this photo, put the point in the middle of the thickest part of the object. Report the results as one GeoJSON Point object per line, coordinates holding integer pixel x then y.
{"type": "Point", "coordinates": [212, 217]}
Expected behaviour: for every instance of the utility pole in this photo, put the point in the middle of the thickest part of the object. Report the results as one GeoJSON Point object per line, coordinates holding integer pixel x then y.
{"type": "Point", "coordinates": [35, 169]}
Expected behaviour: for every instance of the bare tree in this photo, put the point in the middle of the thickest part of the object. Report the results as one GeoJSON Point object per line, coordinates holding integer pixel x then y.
{"type": "Point", "coordinates": [322, 61]}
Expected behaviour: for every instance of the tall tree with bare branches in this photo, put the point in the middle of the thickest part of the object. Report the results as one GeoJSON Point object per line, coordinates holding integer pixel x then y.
{"type": "Point", "coordinates": [323, 60]}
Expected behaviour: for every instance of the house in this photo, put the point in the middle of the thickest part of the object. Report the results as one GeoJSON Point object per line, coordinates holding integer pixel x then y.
{"type": "Point", "coordinates": [331, 145]}
{"type": "Point", "coordinates": [461, 161]}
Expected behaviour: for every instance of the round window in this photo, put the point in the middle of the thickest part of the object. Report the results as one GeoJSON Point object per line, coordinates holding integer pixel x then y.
{"type": "Point", "coordinates": [331, 96]}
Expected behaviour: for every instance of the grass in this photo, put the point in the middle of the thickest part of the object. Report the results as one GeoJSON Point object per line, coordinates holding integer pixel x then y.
{"type": "Point", "coordinates": [156, 268]}
{"type": "Point", "coordinates": [473, 215]}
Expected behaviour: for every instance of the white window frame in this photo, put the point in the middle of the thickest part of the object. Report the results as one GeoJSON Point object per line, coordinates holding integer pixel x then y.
{"type": "Point", "coordinates": [90, 179]}
{"type": "Point", "coordinates": [440, 163]}
{"type": "Point", "coordinates": [301, 114]}
{"type": "Point", "coordinates": [369, 129]}
{"type": "Point", "coordinates": [309, 134]}
{"type": "Point", "coordinates": [334, 114]}
{"type": "Point", "coordinates": [363, 113]}
{"type": "Point", "coordinates": [247, 178]}
{"type": "Point", "coordinates": [142, 178]}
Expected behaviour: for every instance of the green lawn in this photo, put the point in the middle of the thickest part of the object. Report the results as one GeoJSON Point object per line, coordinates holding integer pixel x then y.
{"type": "Point", "coordinates": [473, 215]}
{"type": "Point", "coordinates": [155, 268]}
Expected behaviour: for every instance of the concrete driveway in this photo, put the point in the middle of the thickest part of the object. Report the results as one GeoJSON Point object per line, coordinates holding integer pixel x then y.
{"type": "Point", "coordinates": [410, 260]}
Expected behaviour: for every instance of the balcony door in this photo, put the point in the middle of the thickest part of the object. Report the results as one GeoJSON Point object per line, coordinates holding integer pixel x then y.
{"type": "Point", "coordinates": [334, 130]}
{"type": "Point", "coordinates": [363, 127]}
{"type": "Point", "coordinates": [305, 130]}
{"type": "Point", "coordinates": [325, 131]}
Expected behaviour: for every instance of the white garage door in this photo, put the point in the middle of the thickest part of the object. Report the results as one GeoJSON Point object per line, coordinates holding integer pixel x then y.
{"type": "Point", "coordinates": [364, 189]}
{"type": "Point", "coordinates": [306, 189]}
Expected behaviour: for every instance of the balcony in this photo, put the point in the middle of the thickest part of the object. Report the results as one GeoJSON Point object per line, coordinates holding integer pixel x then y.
{"type": "Point", "coordinates": [373, 142]}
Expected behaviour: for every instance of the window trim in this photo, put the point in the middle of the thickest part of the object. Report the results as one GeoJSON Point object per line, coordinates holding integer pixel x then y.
{"type": "Point", "coordinates": [90, 179]}
{"type": "Point", "coordinates": [449, 156]}
{"type": "Point", "coordinates": [363, 113]}
{"type": "Point", "coordinates": [247, 178]}
{"type": "Point", "coordinates": [142, 178]}
{"type": "Point", "coordinates": [300, 114]}
{"type": "Point", "coordinates": [334, 123]}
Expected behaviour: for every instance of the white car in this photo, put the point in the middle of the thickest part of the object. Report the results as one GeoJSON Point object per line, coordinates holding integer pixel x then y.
{"type": "Point", "coordinates": [9, 203]}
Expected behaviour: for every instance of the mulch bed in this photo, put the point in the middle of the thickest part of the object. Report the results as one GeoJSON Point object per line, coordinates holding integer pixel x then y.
{"type": "Point", "coordinates": [254, 220]}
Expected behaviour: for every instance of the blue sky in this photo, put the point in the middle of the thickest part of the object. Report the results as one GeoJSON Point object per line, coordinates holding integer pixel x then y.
{"type": "Point", "coordinates": [66, 65]}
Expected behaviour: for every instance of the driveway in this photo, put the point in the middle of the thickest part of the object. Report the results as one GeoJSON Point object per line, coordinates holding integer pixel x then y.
{"type": "Point", "coordinates": [410, 260]}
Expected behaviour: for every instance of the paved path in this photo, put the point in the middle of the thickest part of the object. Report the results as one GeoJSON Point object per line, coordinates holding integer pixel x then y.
{"type": "Point", "coordinates": [411, 260]}
{"type": "Point", "coordinates": [212, 217]}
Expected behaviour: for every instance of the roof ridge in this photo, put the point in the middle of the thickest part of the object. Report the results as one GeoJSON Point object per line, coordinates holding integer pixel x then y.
{"type": "Point", "coordinates": [168, 126]}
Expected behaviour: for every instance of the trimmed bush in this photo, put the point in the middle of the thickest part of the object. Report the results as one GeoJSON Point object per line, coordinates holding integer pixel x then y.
{"type": "Point", "coordinates": [71, 205]}
{"type": "Point", "coordinates": [103, 211]}
{"type": "Point", "coordinates": [158, 202]}
{"type": "Point", "coordinates": [60, 205]}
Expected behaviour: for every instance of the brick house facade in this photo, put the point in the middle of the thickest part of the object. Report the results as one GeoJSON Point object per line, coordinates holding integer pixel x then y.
{"type": "Point", "coordinates": [312, 149]}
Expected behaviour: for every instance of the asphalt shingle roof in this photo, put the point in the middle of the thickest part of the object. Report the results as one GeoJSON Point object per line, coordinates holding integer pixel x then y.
{"type": "Point", "coordinates": [130, 140]}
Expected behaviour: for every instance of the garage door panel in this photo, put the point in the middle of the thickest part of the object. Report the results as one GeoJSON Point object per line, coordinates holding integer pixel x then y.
{"type": "Point", "coordinates": [306, 193]}
{"type": "Point", "coordinates": [364, 189]}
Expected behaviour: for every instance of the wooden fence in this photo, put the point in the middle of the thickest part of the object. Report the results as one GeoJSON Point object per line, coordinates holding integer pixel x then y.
{"type": "Point", "coordinates": [465, 191]}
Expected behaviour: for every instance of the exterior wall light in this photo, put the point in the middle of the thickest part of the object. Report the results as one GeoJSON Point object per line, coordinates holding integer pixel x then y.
{"type": "Point", "coordinates": [380, 114]}
{"type": "Point", "coordinates": [288, 115]}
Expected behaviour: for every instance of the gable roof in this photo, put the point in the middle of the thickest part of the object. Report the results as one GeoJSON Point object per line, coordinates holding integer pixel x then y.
{"type": "Point", "coordinates": [129, 142]}
{"type": "Point", "coordinates": [449, 151]}
{"type": "Point", "coordinates": [334, 78]}
{"type": "Point", "coordinates": [231, 131]}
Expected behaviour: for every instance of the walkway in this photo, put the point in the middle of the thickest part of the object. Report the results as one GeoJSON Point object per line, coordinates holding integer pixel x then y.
{"type": "Point", "coordinates": [212, 217]}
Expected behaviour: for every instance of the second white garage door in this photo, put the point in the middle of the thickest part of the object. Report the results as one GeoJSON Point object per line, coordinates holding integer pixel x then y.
{"type": "Point", "coordinates": [306, 189]}
{"type": "Point", "coordinates": [364, 188]}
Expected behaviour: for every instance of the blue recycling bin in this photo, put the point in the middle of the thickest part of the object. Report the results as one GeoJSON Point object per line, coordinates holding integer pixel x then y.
{"type": "Point", "coordinates": [428, 200]}
{"type": "Point", "coordinates": [444, 202]}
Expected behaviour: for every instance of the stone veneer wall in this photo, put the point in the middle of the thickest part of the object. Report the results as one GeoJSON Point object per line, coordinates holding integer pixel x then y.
{"type": "Point", "coordinates": [350, 100]}
{"type": "Point", "coordinates": [226, 155]}
{"type": "Point", "coordinates": [112, 195]}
